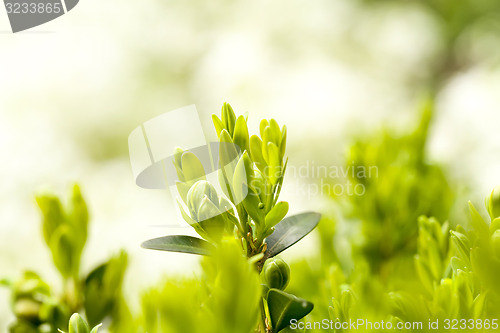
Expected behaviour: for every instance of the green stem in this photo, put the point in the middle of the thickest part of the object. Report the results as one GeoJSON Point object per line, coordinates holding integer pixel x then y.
{"type": "Point", "coordinates": [263, 317]}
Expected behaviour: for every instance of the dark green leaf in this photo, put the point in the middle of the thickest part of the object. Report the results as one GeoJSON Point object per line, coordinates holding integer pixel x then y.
{"type": "Point", "coordinates": [290, 231]}
{"type": "Point", "coordinates": [284, 307]}
{"type": "Point", "coordinates": [179, 243]}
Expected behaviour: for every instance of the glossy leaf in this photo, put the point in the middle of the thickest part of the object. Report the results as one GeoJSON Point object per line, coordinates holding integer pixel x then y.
{"type": "Point", "coordinates": [290, 231]}
{"type": "Point", "coordinates": [276, 214]}
{"type": "Point", "coordinates": [179, 243]}
{"type": "Point", "coordinates": [284, 307]}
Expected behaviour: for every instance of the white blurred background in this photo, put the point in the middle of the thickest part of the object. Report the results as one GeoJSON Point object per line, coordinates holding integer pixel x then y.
{"type": "Point", "coordinates": [72, 90]}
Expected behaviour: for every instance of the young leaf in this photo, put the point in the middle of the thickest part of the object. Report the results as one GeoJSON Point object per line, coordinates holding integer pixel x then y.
{"type": "Point", "coordinates": [253, 207]}
{"type": "Point", "coordinates": [179, 243]}
{"type": "Point", "coordinates": [219, 126]}
{"type": "Point", "coordinates": [256, 152]}
{"type": "Point", "coordinates": [228, 117]}
{"type": "Point", "coordinates": [192, 167]}
{"type": "Point", "coordinates": [241, 178]}
{"type": "Point", "coordinates": [53, 214]}
{"type": "Point", "coordinates": [94, 330]}
{"type": "Point", "coordinates": [290, 231]}
{"type": "Point", "coordinates": [103, 289]}
{"type": "Point", "coordinates": [274, 170]}
{"type": "Point", "coordinates": [263, 124]}
{"type": "Point", "coordinates": [63, 254]}
{"type": "Point", "coordinates": [276, 214]}
{"type": "Point", "coordinates": [284, 307]}
{"type": "Point", "coordinates": [283, 142]}
{"type": "Point", "coordinates": [78, 325]}
{"type": "Point", "coordinates": [240, 135]}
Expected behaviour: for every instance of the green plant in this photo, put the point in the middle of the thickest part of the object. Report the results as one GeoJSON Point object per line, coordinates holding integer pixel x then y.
{"type": "Point", "coordinates": [405, 187]}
{"type": "Point", "coordinates": [36, 307]}
{"type": "Point", "coordinates": [459, 270]}
{"type": "Point", "coordinates": [251, 176]}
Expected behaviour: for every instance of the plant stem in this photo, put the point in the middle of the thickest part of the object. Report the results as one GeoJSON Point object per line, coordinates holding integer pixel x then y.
{"type": "Point", "coordinates": [263, 317]}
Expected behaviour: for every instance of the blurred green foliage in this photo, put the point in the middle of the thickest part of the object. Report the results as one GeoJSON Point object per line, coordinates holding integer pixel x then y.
{"type": "Point", "coordinates": [405, 186]}
{"type": "Point", "coordinates": [405, 265]}
{"type": "Point", "coordinates": [226, 300]}
{"type": "Point", "coordinates": [36, 307]}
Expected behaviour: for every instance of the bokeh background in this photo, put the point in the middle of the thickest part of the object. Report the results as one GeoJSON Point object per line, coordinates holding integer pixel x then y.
{"type": "Point", "coordinates": [72, 90]}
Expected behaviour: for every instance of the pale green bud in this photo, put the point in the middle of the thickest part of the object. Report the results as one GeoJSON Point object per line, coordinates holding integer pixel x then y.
{"type": "Point", "coordinates": [276, 273]}
{"type": "Point", "coordinates": [78, 325]}
{"type": "Point", "coordinates": [493, 203]}
{"type": "Point", "coordinates": [197, 193]}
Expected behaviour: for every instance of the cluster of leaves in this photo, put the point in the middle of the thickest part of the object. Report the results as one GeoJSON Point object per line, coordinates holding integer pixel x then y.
{"type": "Point", "coordinates": [36, 307]}
{"type": "Point", "coordinates": [458, 268]}
{"type": "Point", "coordinates": [250, 174]}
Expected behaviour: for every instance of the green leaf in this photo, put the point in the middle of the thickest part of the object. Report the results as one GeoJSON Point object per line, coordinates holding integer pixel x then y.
{"type": "Point", "coordinates": [284, 307]}
{"type": "Point", "coordinates": [462, 245]}
{"type": "Point", "coordinates": [276, 214]}
{"type": "Point", "coordinates": [241, 178]}
{"type": "Point", "coordinates": [276, 132]}
{"type": "Point", "coordinates": [94, 330]}
{"type": "Point", "coordinates": [240, 135]}
{"type": "Point", "coordinates": [290, 231]}
{"type": "Point", "coordinates": [78, 325]}
{"type": "Point", "coordinates": [192, 167]}
{"type": "Point", "coordinates": [263, 124]}
{"type": "Point", "coordinates": [61, 244]}
{"type": "Point", "coordinates": [273, 172]}
{"type": "Point", "coordinates": [283, 142]}
{"type": "Point", "coordinates": [179, 243]}
{"type": "Point", "coordinates": [219, 126]}
{"type": "Point", "coordinates": [478, 223]}
{"type": "Point", "coordinates": [228, 117]}
{"type": "Point", "coordinates": [256, 152]}
{"type": "Point", "coordinates": [79, 218]}
{"type": "Point", "coordinates": [458, 264]}
{"type": "Point", "coordinates": [53, 214]}
{"type": "Point", "coordinates": [103, 289]}
{"type": "Point", "coordinates": [228, 155]}
{"type": "Point", "coordinates": [253, 207]}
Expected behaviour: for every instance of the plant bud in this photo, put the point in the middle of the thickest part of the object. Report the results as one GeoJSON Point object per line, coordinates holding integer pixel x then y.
{"type": "Point", "coordinates": [198, 192]}
{"type": "Point", "coordinates": [207, 210]}
{"type": "Point", "coordinates": [78, 325]}
{"type": "Point", "coordinates": [276, 273]}
{"type": "Point", "coordinates": [493, 203]}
